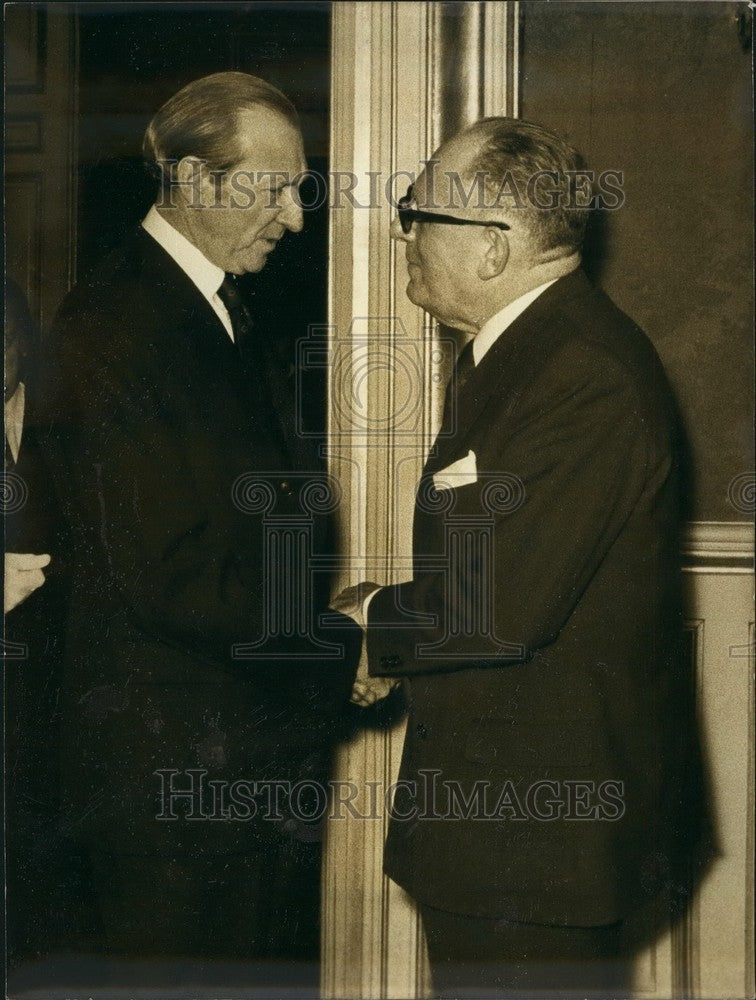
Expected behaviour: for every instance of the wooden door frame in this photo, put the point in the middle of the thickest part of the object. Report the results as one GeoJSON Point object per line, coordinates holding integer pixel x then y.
{"type": "Point", "coordinates": [393, 101]}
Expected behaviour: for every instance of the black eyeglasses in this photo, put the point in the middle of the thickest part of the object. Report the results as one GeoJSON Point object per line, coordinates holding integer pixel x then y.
{"type": "Point", "coordinates": [407, 216]}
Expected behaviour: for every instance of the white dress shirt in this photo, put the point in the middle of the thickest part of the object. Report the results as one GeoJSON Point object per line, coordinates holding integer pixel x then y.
{"type": "Point", "coordinates": [493, 328]}
{"type": "Point", "coordinates": [208, 277]}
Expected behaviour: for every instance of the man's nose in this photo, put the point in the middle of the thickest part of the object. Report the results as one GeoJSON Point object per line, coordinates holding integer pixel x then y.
{"type": "Point", "coordinates": [292, 215]}
{"type": "Point", "coordinates": [396, 232]}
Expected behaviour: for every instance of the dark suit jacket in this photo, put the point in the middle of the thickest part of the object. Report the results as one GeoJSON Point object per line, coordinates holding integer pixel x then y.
{"type": "Point", "coordinates": [541, 632]}
{"type": "Point", "coordinates": [39, 863]}
{"type": "Point", "coordinates": [177, 480]}
{"type": "Point", "coordinates": [34, 630]}
{"type": "Point", "coordinates": [34, 633]}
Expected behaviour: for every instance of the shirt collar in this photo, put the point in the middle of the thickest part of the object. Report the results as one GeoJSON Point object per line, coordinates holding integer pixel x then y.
{"type": "Point", "coordinates": [493, 328]}
{"type": "Point", "coordinates": [207, 276]}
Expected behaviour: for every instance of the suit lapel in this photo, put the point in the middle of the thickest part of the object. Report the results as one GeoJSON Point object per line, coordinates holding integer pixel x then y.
{"type": "Point", "coordinates": [188, 314]}
{"type": "Point", "coordinates": [184, 307]}
{"type": "Point", "coordinates": [504, 370]}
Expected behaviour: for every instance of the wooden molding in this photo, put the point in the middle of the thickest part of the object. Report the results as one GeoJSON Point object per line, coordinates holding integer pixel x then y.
{"type": "Point", "coordinates": [718, 547]}
{"type": "Point", "coordinates": [41, 152]}
{"type": "Point", "coordinates": [384, 407]}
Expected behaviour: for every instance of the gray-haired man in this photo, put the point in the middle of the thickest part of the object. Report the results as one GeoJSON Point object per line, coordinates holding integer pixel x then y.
{"type": "Point", "coordinates": [162, 411]}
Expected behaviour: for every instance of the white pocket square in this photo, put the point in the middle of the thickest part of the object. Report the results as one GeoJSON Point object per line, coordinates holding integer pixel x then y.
{"type": "Point", "coordinates": [460, 473]}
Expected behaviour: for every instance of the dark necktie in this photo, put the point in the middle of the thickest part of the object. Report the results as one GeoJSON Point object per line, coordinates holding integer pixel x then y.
{"type": "Point", "coordinates": [9, 461]}
{"type": "Point", "coordinates": [464, 367]}
{"type": "Point", "coordinates": [254, 357]}
{"type": "Point", "coordinates": [241, 320]}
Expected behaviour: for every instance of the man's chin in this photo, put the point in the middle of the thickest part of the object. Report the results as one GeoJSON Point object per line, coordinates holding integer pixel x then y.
{"type": "Point", "coordinates": [414, 294]}
{"type": "Point", "coordinates": [256, 259]}
{"type": "Point", "coordinates": [250, 266]}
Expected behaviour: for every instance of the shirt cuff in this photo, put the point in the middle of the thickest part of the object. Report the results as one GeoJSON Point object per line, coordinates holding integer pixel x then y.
{"type": "Point", "coordinates": [366, 604]}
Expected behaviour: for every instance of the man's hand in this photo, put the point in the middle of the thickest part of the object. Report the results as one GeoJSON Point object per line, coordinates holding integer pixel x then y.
{"type": "Point", "coordinates": [351, 600]}
{"type": "Point", "coordinates": [23, 575]}
{"type": "Point", "coordinates": [368, 690]}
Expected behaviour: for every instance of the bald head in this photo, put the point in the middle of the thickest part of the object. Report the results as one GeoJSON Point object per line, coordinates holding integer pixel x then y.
{"type": "Point", "coordinates": [515, 225]}
{"type": "Point", "coordinates": [525, 168]}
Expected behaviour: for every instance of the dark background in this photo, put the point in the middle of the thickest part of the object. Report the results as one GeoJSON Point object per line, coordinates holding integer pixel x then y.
{"type": "Point", "coordinates": [134, 57]}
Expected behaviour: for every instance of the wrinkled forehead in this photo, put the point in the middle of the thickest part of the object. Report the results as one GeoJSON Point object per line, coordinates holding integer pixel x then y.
{"type": "Point", "coordinates": [447, 172]}
{"type": "Point", "coordinates": [269, 141]}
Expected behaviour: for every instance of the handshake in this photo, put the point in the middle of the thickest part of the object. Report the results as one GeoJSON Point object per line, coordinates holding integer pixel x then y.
{"type": "Point", "coordinates": [353, 602]}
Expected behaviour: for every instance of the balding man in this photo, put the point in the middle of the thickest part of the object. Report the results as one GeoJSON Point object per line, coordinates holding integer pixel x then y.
{"type": "Point", "coordinates": [548, 769]}
{"type": "Point", "coordinates": [195, 694]}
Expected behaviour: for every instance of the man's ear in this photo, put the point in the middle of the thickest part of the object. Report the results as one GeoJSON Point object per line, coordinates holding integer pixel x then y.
{"type": "Point", "coordinates": [496, 254]}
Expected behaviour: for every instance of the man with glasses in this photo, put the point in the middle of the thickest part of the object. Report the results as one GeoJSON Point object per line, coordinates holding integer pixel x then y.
{"type": "Point", "coordinates": [549, 767]}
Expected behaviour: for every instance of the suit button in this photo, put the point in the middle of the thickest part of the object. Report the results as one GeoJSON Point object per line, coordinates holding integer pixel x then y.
{"type": "Point", "coordinates": [285, 488]}
{"type": "Point", "coordinates": [421, 731]}
{"type": "Point", "coordinates": [391, 661]}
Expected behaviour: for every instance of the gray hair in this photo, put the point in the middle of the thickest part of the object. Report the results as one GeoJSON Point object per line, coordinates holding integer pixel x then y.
{"type": "Point", "coordinates": [202, 120]}
{"type": "Point", "coordinates": [512, 155]}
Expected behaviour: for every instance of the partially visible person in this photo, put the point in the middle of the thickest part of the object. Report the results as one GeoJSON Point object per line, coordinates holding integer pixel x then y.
{"type": "Point", "coordinates": [38, 866]}
{"type": "Point", "coordinates": [24, 571]}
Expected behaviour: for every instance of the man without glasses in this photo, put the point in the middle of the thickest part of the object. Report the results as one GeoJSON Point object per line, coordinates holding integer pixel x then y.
{"type": "Point", "coordinates": [162, 406]}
